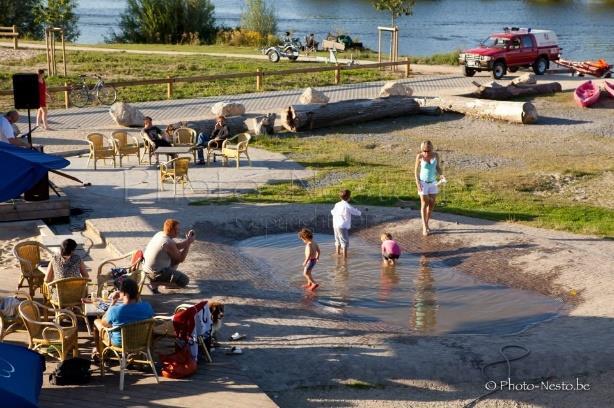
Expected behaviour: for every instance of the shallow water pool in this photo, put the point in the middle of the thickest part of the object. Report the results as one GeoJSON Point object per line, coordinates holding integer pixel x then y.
{"type": "Point", "coordinates": [418, 293]}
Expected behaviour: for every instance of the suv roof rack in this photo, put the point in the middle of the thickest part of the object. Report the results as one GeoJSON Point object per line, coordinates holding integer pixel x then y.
{"type": "Point", "coordinates": [508, 29]}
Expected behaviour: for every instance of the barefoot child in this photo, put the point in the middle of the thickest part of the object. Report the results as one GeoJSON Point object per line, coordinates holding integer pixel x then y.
{"type": "Point", "coordinates": [390, 249]}
{"type": "Point", "coordinates": [312, 254]}
{"type": "Point", "coordinates": [342, 221]}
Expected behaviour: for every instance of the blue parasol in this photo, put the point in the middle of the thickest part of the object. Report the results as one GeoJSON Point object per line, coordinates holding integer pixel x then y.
{"type": "Point", "coordinates": [21, 376]}
{"type": "Point", "coordinates": [21, 169]}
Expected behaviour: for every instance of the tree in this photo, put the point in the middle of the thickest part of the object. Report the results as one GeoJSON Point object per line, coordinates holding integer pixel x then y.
{"type": "Point", "coordinates": [260, 17]}
{"type": "Point", "coordinates": [396, 8]}
{"type": "Point", "coordinates": [166, 21]}
{"type": "Point", "coordinates": [22, 14]}
{"type": "Point", "coordinates": [58, 13]}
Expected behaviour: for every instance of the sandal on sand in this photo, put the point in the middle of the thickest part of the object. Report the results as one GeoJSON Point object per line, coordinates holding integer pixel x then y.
{"type": "Point", "coordinates": [237, 336]}
{"type": "Point", "coordinates": [234, 350]}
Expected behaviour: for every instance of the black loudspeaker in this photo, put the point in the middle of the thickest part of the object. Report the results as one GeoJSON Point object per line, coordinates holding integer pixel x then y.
{"type": "Point", "coordinates": [25, 91]}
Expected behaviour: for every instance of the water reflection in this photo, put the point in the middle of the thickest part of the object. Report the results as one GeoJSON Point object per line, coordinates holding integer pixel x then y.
{"type": "Point", "coordinates": [423, 315]}
{"type": "Point", "coordinates": [341, 277]}
{"type": "Point", "coordinates": [389, 279]}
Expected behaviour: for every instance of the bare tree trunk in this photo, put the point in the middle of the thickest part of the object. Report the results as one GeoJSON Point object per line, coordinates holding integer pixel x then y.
{"type": "Point", "coordinates": [517, 112]}
{"type": "Point", "coordinates": [314, 116]}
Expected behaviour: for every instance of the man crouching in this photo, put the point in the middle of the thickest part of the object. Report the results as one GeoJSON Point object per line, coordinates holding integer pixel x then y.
{"type": "Point", "coordinates": [163, 254]}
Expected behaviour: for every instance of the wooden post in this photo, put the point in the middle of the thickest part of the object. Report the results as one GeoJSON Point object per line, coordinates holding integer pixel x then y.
{"type": "Point", "coordinates": [54, 65]}
{"type": "Point", "coordinates": [169, 88]}
{"type": "Point", "coordinates": [64, 54]}
{"type": "Point", "coordinates": [337, 75]}
{"type": "Point", "coordinates": [47, 48]}
{"type": "Point", "coordinates": [66, 98]}
{"type": "Point", "coordinates": [407, 67]}
{"type": "Point", "coordinates": [379, 46]}
{"type": "Point", "coordinates": [15, 41]}
{"type": "Point", "coordinates": [259, 77]}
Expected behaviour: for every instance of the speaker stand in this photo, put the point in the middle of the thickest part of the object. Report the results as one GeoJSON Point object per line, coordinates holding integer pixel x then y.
{"type": "Point", "coordinates": [29, 128]}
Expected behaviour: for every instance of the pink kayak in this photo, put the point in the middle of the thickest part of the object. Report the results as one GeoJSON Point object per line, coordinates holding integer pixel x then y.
{"type": "Point", "coordinates": [609, 88]}
{"type": "Point", "coordinates": [586, 94]}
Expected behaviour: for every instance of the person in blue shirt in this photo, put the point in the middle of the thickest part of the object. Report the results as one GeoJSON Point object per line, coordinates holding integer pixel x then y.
{"type": "Point", "coordinates": [132, 309]}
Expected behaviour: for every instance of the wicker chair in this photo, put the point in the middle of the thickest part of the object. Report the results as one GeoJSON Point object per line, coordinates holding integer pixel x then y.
{"type": "Point", "coordinates": [175, 170]}
{"type": "Point", "coordinates": [10, 324]}
{"type": "Point", "coordinates": [46, 335]}
{"type": "Point", "coordinates": [214, 149]}
{"type": "Point", "coordinates": [28, 253]}
{"type": "Point", "coordinates": [185, 137]}
{"type": "Point", "coordinates": [123, 148]}
{"type": "Point", "coordinates": [136, 339]}
{"type": "Point", "coordinates": [104, 278]}
{"type": "Point", "coordinates": [149, 147]}
{"type": "Point", "coordinates": [235, 146]}
{"type": "Point", "coordinates": [67, 294]}
{"type": "Point", "coordinates": [98, 151]}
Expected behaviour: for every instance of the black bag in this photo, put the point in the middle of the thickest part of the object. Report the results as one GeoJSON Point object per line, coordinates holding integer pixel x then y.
{"type": "Point", "coordinates": [118, 275]}
{"type": "Point", "coordinates": [74, 371]}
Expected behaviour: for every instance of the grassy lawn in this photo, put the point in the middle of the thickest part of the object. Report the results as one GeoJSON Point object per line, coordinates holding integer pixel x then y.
{"type": "Point", "coordinates": [377, 176]}
{"type": "Point", "coordinates": [123, 66]}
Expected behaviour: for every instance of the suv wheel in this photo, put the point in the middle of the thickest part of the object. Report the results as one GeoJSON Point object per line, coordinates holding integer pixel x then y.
{"type": "Point", "coordinates": [499, 70]}
{"type": "Point", "coordinates": [540, 66]}
{"type": "Point", "coordinates": [468, 72]}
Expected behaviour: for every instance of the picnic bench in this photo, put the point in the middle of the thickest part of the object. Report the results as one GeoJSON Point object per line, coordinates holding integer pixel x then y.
{"type": "Point", "coordinates": [10, 32]}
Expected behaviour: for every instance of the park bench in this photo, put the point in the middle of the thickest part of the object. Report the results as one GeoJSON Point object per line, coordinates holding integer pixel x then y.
{"type": "Point", "coordinates": [12, 33]}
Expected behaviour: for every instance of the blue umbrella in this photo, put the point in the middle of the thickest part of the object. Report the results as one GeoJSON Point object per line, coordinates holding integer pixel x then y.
{"type": "Point", "coordinates": [23, 168]}
{"type": "Point", "coordinates": [21, 376]}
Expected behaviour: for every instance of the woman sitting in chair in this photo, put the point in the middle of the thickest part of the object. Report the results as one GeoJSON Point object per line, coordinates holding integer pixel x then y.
{"type": "Point", "coordinates": [66, 264]}
{"type": "Point", "coordinates": [131, 310]}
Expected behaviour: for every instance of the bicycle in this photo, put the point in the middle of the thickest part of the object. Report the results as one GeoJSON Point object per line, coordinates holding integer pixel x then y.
{"type": "Point", "coordinates": [81, 94]}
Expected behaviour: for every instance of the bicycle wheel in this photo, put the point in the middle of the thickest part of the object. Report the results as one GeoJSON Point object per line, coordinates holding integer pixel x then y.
{"type": "Point", "coordinates": [79, 96]}
{"type": "Point", "coordinates": [107, 95]}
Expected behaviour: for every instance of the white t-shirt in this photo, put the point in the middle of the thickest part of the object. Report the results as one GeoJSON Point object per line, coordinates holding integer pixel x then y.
{"type": "Point", "coordinates": [156, 258]}
{"type": "Point", "coordinates": [342, 215]}
{"type": "Point", "coordinates": [6, 130]}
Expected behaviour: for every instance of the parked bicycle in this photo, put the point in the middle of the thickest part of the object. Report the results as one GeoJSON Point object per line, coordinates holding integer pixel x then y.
{"type": "Point", "coordinates": [80, 94]}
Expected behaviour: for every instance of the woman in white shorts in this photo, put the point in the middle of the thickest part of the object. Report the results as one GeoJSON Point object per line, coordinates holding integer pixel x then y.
{"type": "Point", "coordinates": [426, 171]}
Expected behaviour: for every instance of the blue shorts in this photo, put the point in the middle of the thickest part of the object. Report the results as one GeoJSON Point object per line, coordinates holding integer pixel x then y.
{"type": "Point", "coordinates": [310, 264]}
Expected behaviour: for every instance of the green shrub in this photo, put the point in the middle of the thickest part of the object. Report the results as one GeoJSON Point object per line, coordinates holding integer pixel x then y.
{"type": "Point", "coordinates": [166, 21]}
{"type": "Point", "coordinates": [260, 17]}
{"type": "Point", "coordinates": [241, 37]}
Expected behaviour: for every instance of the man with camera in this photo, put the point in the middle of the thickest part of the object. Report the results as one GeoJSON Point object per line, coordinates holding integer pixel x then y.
{"type": "Point", "coordinates": [163, 254]}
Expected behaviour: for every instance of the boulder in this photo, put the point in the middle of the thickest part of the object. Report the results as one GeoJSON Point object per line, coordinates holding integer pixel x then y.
{"type": "Point", "coordinates": [312, 95]}
{"type": "Point", "coordinates": [127, 115]}
{"type": "Point", "coordinates": [393, 88]}
{"type": "Point", "coordinates": [228, 109]}
{"type": "Point", "coordinates": [525, 79]}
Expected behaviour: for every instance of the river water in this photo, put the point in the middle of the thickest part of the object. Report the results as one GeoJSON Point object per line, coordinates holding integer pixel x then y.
{"type": "Point", "coordinates": [585, 27]}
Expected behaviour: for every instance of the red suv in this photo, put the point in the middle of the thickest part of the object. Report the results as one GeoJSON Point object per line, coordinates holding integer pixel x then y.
{"type": "Point", "coordinates": [514, 48]}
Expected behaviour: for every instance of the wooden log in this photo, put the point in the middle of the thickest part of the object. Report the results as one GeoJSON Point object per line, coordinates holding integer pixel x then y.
{"type": "Point", "coordinates": [313, 116]}
{"type": "Point", "coordinates": [431, 110]}
{"type": "Point", "coordinates": [512, 91]}
{"type": "Point", "coordinates": [516, 112]}
{"type": "Point", "coordinates": [236, 124]}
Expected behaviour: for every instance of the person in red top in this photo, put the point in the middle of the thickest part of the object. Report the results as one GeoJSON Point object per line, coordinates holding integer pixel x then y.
{"type": "Point", "coordinates": [41, 114]}
{"type": "Point", "coordinates": [391, 251]}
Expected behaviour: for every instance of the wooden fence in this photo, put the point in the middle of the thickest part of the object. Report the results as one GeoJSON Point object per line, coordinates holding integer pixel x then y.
{"type": "Point", "coordinates": [259, 75]}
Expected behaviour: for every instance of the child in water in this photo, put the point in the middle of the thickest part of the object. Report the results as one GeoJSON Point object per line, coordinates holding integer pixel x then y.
{"type": "Point", "coordinates": [312, 254]}
{"type": "Point", "coordinates": [390, 249]}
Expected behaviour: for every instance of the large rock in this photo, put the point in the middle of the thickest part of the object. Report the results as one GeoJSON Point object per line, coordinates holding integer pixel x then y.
{"type": "Point", "coordinates": [228, 109]}
{"type": "Point", "coordinates": [125, 114]}
{"type": "Point", "coordinates": [525, 79]}
{"type": "Point", "coordinates": [312, 95]}
{"type": "Point", "coordinates": [393, 88]}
